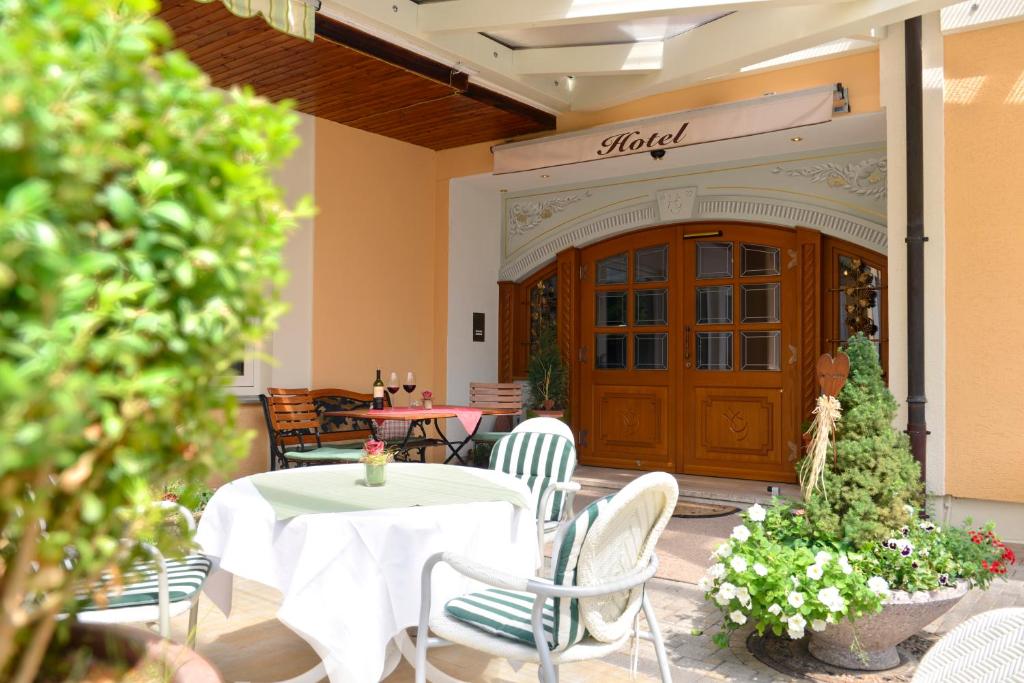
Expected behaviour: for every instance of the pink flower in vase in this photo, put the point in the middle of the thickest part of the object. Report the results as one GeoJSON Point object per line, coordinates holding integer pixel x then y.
{"type": "Point", "coordinates": [427, 395]}
{"type": "Point", "coordinates": [373, 447]}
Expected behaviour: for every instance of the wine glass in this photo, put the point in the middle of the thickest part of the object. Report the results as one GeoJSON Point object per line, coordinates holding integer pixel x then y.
{"type": "Point", "coordinates": [410, 385]}
{"type": "Point", "coordinates": [392, 387]}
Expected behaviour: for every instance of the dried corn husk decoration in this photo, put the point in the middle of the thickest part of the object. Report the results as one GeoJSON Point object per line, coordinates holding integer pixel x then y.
{"type": "Point", "coordinates": [822, 432]}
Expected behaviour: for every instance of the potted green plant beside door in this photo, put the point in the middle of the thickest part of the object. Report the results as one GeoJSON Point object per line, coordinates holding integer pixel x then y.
{"type": "Point", "coordinates": [546, 375]}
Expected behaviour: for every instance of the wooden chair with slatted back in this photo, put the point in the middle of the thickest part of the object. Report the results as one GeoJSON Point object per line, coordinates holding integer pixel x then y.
{"type": "Point", "coordinates": [498, 395]}
{"type": "Point", "coordinates": [293, 427]}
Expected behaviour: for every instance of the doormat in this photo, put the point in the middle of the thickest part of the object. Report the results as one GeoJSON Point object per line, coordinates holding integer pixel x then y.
{"type": "Point", "coordinates": [691, 510]}
{"type": "Point", "coordinates": [792, 658]}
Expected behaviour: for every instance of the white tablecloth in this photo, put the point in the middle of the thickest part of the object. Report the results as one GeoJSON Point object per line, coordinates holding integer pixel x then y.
{"type": "Point", "coordinates": [351, 581]}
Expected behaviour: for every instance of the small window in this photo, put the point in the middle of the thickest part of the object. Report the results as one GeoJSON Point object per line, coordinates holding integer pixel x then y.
{"type": "Point", "coordinates": [714, 350]}
{"type": "Point", "coordinates": [612, 270]}
{"type": "Point", "coordinates": [610, 351]}
{"type": "Point", "coordinates": [650, 351]}
{"type": "Point", "coordinates": [651, 264]}
{"type": "Point", "coordinates": [714, 260]}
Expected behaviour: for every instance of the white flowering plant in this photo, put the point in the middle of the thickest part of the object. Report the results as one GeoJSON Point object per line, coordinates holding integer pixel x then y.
{"type": "Point", "coordinates": [771, 573]}
{"type": "Point", "coordinates": [780, 574]}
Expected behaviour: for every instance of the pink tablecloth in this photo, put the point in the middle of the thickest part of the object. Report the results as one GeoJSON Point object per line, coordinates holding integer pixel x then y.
{"type": "Point", "coordinates": [469, 418]}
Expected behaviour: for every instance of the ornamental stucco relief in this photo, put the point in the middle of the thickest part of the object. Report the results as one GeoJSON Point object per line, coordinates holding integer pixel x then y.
{"type": "Point", "coordinates": [524, 216]}
{"type": "Point", "coordinates": [865, 178]}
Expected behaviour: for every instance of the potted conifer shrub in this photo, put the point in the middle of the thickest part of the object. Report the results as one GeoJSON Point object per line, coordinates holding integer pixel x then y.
{"type": "Point", "coordinates": [855, 564]}
{"type": "Point", "coordinates": [546, 375]}
{"type": "Point", "coordinates": [140, 254]}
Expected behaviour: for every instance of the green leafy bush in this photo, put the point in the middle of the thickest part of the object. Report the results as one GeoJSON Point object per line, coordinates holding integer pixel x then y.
{"type": "Point", "coordinates": [140, 252]}
{"type": "Point", "coordinates": [872, 479]}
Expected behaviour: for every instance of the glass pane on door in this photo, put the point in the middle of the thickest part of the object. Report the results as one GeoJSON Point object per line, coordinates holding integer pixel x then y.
{"type": "Point", "coordinates": [651, 264]}
{"type": "Point", "coordinates": [760, 303]}
{"type": "Point", "coordinates": [756, 259]}
{"type": "Point", "coordinates": [650, 351]}
{"type": "Point", "coordinates": [761, 350]}
{"type": "Point", "coordinates": [611, 309]}
{"type": "Point", "coordinates": [714, 305]}
{"type": "Point", "coordinates": [714, 260]}
{"type": "Point", "coordinates": [650, 307]}
{"type": "Point", "coordinates": [714, 350]}
{"type": "Point", "coordinates": [612, 270]}
{"type": "Point", "coordinates": [610, 351]}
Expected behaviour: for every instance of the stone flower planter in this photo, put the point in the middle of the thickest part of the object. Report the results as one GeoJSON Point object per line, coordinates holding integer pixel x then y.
{"type": "Point", "coordinates": [903, 614]}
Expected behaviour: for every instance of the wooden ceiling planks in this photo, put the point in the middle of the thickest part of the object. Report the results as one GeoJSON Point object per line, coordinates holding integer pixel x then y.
{"type": "Point", "coordinates": [349, 77]}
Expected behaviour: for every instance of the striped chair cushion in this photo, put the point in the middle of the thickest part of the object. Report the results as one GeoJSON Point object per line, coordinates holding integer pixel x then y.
{"type": "Point", "coordinates": [185, 577]}
{"type": "Point", "coordinates": [540, 459]}
{"type": "Point", "coordinates": [506, 613]}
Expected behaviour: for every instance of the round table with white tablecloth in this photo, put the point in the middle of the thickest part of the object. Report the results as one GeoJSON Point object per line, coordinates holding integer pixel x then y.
{"type": "Point", "coordinates": [350, 579]}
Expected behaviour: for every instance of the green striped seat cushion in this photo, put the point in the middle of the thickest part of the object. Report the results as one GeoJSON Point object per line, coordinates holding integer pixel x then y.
{"type": "Point", "coordinates": [185, 577]}
{"type": "Point", "coordinates": [506, 613]}
{"type": "Point", "coordinates": [328, 454]}
{"type": "Point", "coordinates": [489, 437]}
{"type": "Point", "coordinates": [540, 459]}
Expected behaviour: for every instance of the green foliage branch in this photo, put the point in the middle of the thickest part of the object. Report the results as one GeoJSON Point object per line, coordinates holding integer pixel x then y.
{"type": "Point", "coordinates": [140, 255]}
{"type": "Point", "coordinates": [546, 373]}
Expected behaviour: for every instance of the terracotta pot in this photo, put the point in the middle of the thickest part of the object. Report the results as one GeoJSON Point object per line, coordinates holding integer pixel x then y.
{"type": "Point", "coordinates": [550, 413]}
{"type": "Point", "coordinates": [903, 614]}
{"type": "Point", "coordinates": [548, 404]}
{"type": "Point", "coordinates": [148, 656]}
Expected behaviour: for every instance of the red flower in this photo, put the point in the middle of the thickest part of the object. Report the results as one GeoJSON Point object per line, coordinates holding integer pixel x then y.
{"type": "Point", "coordinates": [373, 447]}
{"type": "Point", "coordinates": [1006, 558]}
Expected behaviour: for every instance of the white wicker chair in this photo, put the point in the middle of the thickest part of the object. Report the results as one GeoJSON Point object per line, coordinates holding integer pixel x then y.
{"type": "Point", "coordinates": [603, 559]}
{"type": "Point", "coordinates": [987, 648]}
{"type": "Point", "coordinates": [161, 589]}
{"type": "Point", "coordinates": [546, 425]}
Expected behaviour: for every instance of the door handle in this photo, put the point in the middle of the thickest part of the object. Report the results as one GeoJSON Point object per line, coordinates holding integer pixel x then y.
{"type": "Point", "coordinates": [686, 344]}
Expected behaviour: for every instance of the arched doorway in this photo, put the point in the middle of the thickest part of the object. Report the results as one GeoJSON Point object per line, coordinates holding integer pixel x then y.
{"type": "Point", "coordinates": [691, 347]}
{"type": "Point", "coordinates": [690, 351]}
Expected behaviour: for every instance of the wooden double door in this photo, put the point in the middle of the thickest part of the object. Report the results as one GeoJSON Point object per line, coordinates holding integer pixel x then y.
{"type": "Point", "coordinates": [689, 351]}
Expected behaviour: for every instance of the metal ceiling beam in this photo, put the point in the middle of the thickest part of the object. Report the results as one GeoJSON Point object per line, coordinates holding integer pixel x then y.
{"type": "Point", "coordinates": [490, 16]}
{"type": "Point", "coordinates": [591, 60]}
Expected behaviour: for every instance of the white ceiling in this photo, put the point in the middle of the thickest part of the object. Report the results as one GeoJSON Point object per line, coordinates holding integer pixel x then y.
{"type": "Point", "coordinates": [581, 55]}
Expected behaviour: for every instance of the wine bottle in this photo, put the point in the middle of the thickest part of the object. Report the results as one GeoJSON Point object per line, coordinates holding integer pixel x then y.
{"type": "Point", "coordinates": [378, 393]}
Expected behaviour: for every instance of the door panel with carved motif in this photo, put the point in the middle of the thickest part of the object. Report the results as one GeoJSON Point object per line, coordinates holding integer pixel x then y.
{"type": "Point", "coordinates": [629, 357]}
{"type": "Point", "coordinates": [740, 369]}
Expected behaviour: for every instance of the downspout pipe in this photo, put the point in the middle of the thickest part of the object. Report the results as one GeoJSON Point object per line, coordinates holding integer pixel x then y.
{"type": "Point", "coordinates": [917, 426]}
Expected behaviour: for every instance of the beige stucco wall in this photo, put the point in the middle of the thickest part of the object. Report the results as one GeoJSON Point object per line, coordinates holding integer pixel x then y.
{"type": "Point", "coordinates": [984, 131]}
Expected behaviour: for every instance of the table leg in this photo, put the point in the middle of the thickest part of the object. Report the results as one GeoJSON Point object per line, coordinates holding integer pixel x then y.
{"type": "Point", "coordinates": [453, 446]}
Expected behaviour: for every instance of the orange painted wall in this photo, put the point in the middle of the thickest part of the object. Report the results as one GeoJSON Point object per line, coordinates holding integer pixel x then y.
{"type": "Point", "coordinates": [858, 72]}
{"type": "Point", "coordinates": [374, 259]}
{"type": "Point", "coordinates": [984, 130]}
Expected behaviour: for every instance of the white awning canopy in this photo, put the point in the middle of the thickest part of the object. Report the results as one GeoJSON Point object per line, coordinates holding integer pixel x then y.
{"type": "Point", "coordinates": [294, 17]}
{"type": "Point", "coordinates": [691, 127]}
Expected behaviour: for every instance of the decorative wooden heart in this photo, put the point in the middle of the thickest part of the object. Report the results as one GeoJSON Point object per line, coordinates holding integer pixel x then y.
{"type": "Point", "coordinates": [832, 372]}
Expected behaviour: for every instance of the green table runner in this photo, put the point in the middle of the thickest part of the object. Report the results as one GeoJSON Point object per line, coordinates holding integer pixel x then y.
{"type": "Point", "coordinates": [339, 488]}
